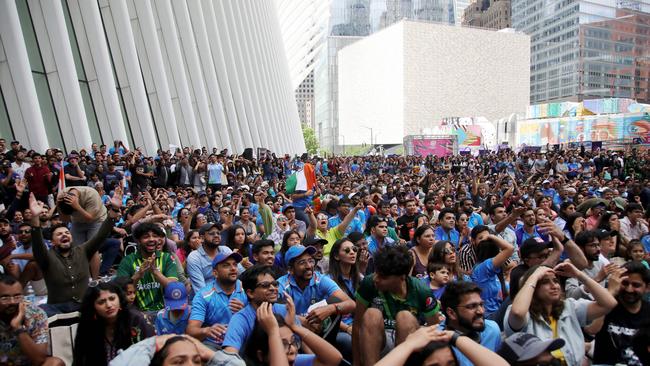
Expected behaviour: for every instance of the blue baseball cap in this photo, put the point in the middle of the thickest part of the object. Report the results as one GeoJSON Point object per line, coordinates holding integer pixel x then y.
{"type": "Point", "coordinates": [296, 251]}
{"type": "Point", "coordinates": [175, 296]}
{"type": "Point", "coordinates": [223, 256]}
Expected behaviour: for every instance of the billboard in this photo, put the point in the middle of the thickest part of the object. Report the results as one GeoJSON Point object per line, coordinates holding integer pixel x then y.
{"type": "Point", "coordinates": [431, 146]}
{"type": "Point", "coordinates": [623, 126]}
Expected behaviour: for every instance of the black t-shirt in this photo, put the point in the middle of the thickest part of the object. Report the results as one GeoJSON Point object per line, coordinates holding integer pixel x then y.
{"type": "Point", "coordinates": [614, 341]}
{"type": "Point", "coordinates": [73, 171]}
{"type": "Point", "coordinates": [405, 223]}
{"type": "Point", "coordinates": [515, 275]}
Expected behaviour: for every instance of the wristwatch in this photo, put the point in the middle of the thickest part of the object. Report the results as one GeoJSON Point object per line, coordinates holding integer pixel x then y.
{"type": "Point", "coordinates": [565, 240]}
{"type": "Point", "coordinates": [454, 338]}
{"type": "Point", "coordinates": [20, 330]}
{"type": "Point", "coordinates": [339, 309]}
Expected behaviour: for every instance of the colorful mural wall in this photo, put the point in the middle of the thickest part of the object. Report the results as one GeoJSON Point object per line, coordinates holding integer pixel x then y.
{"type": "Point", "coordinates": [621, 126]}
{"type": "Point", "coordinates": [432, 146]}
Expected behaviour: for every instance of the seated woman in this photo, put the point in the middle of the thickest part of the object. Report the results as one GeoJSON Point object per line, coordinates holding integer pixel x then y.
{"type": "Point", "coordinates": [345, 272]}
{"type": "Point", "coordinates": [107, 325]}
{"type": "Point", "coordinates": [276, 341]}
{"type": "Point", "coordinates": [423, 241]}
{"type": "Point", "coordinates": [540, 309]}
{"type": "Point", "coordinates": [290, 238]}
{"type": "Point", "coordinates": [444, 252]}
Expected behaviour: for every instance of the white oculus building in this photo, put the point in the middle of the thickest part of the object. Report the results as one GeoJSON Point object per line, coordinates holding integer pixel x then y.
{"type": "Point", "coordinates": [407, 78]}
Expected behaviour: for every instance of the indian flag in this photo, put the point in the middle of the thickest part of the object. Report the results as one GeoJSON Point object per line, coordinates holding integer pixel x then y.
{"type": "Point", "coordinates": [302, 180]}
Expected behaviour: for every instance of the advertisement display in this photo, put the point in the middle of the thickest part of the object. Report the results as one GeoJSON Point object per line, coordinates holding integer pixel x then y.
{"type": "Point", "coordinates": [429, 145]}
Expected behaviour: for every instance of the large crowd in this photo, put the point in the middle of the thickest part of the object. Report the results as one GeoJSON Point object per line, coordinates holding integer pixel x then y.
{"type": "Point", "coordinates": [198, 257]}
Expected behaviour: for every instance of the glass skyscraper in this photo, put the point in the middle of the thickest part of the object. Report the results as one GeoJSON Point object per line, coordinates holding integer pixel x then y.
{"type": "Point", "coordinates": [584, 50]}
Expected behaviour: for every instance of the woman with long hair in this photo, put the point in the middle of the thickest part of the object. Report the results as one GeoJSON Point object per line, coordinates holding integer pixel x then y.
{"type": "Point", "coordinates": [540, 309]}
{"type": "Point", "coordinates": [247, 223]}
{"type": "Point", "coordinates": [106, 326]}
{"type": "Point", "coordinates": [237, 240]}
{"type": "Point", "coordinates": [462, 220]}
{"type": "Point", "coordinates": [193, 240]}
{"type": "Point", "coordinates": [545, 203]}
{"type": "Point", "coordinates": [444, 252]}
{"type": "Point", "coordinates": [289, 239]}
{"type": "Point", "coordinates": [343, 270]}
{"type": "Point", "coordinates": [423, 240]}
{"type": "Point", "coordinates": [575, 223]}
{"type": "Point", "coordinates": [610, 221]}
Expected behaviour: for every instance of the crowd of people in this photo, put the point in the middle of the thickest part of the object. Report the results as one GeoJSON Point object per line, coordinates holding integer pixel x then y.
{"type": "Point", "coordinates": [197, 257]}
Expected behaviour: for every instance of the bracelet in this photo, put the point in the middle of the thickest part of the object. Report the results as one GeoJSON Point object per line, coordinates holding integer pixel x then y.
{"type": "Point", "coordinates": [565, 240]}
{"type": "Point", "coordinates": [454, 338]}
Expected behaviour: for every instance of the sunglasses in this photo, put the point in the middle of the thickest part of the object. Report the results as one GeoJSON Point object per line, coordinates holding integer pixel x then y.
{"type": "Point", "coordinates": [267, 285]}
{"type": "Point", "coordinates": [350, 249]}
{"type": "Point", "coordinates": [24, 231]}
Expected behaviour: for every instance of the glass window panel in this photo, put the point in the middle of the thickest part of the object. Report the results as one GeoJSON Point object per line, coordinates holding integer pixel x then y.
{"type": "Point", "coordinates": [29, 34]}
{"type": "Point", "coordinates": [81, 74]}
{"type": "Point", "coordinates": [52, 130]}
{"type": "Point", "coordinates": [5, 124]}
{"type": "Point", "coordinates": [91, 117]}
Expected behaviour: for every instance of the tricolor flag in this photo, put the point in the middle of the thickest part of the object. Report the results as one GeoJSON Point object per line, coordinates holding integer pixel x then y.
{"type": "Point", "coordinates": [302, 180]}
{"type": "Point", "coordinates": [61, 184]}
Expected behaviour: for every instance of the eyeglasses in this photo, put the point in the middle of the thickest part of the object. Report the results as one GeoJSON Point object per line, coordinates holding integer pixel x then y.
{"type": "Point", "coordinates": [266, 285]}
{"type": "Point", "coordinates": [351, 249]}
{"type": "Point", "coordinates": [305, 262]}
{"type": "Point", "coordinates": [24, 231]}
{"type": "Point", "coordinates": [449, 250]}
{"type": "Point", "coordinates": [213, 233]}
{"type": "Point", "coordinates": [295, 341]}
{"type": "Point", "coordinates": [10, 299]}
{"type": "Point", "coordinates": [95, 283]}
{"type": "Point", "coordinates": [473, 306]}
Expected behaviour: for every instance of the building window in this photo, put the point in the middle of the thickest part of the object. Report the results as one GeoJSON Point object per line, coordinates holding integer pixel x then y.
{"type": "Point", "coordinates": [50, 119]}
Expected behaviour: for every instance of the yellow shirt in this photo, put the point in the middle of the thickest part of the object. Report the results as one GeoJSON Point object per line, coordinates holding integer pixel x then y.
{"type": "Point", "coordinates": [331, 235]}
{"type": "Point", "coordinates": [558, 352]}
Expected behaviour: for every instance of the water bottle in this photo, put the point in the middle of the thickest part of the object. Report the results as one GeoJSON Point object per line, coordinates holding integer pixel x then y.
{"type": "Point", "coordinates": [30, 294]}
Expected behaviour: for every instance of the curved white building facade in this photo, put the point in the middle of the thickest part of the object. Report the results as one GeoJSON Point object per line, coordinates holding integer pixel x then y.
{"type": "Point", "coordinates": [150, 73]}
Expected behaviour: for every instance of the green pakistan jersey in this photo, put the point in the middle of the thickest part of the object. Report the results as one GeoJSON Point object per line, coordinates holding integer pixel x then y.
{"type": "Point", "coordinates": [149, 292]}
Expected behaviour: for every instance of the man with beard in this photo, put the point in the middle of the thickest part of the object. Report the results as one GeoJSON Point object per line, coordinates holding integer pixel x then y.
{"type": "Point", "coordinates": [588, 241]}
{"type": "Point", "coordinates": [6, 232]}
{"type": "Point", "coordinates": [464, 309]}
{"type": "Point", "coordinates": [23, 328]}
{"type": "Point", "coordinates": [39, 178]}
{"type": "Point", "coordinates": [23, 257]}
{"type": "Point", "coordinates": [214, 305]}
{"type": "Point", "coordinates": [150, 269]}
{"type": "Point", "coordinates": [473, 218]}
{"type": "Point", "coordinates": [343, 209]}
{"type": "Point", "coordinates": [66, 268]}
{"type": "Point", "coordinates": [614, 341]}
{"type": "Point", "coordinates": [199, 262]}
{"type": "Point", "coordinates": [529, 229]}
{"type": "Point", "coordinates": [260, 286]}
{"type": "Point", "coordinates": [307, 287]}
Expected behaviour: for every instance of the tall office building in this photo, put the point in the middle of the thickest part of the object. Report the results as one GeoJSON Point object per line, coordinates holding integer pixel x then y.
{"type": "Point", "coordinates": [584, 50]}
{"type": "Point", "coordinates": [351, 20]}
{"type": "Point", "coordinates": [305, 100]}
{"type": "Point", "coordinates": [153, 74]}
{"type": "Point", "coordinates": [489, 14]}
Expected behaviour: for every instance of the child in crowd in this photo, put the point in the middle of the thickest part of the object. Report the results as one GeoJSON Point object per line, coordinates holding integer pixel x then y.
{"type": "Point", "coordinates": [174, 317]}
{"type": "Point", "coordinates": [636, 252]}
{"type": "Point", "coordinates": [439, 275]}
{"type": "Point", "coordinates": [128, 287]}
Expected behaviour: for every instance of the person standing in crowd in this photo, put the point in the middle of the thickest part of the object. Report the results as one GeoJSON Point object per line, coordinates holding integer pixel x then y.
{"type": "Point", "coordinates": [66, 268]}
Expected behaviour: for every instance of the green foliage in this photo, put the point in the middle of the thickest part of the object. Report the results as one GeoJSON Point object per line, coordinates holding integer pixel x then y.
{"type": "Point", "coordinates": [311, 142]}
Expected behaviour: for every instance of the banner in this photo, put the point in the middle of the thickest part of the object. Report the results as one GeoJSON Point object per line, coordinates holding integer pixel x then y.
{"type": "Point", "coordinates": [436, 147]}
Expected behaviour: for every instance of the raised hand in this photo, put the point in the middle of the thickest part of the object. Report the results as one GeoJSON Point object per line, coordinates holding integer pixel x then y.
{"type": "Point", "coordinates": [566, 269]}
{"type": "Point", "coordinates": [265, 317]}
{"type": "Point", "coordinates": [290, 318]}
{"type": "Point", "coordinates": [116, 200]}
{"type": "Point", "coordinates": [20, 186]}
{"type": "Point", "coordinates": [36, 206]}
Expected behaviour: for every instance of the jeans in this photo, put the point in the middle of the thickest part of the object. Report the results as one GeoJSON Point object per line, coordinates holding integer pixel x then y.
{"type": "Point", "coordinates": [82, 231]}
{"type": "Point", "coordinates": [62, 308]}
{"type": "Point", "coordinates": [344, 344]}
{"type": "Point", "coordinates": [110, 249]}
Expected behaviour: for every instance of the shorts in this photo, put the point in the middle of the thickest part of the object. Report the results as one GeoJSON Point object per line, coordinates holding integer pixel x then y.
{"type": "Point", "coordinates": [389, 342]}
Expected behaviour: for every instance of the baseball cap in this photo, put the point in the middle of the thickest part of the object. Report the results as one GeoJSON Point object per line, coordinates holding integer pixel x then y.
{"type": "Point", "coordinates": [206, 227]}
{"type": "Point", "coordinates": [521, 347]}
{"type": "Point", "coordinates": [309, 242]}
{"type": "Point", "coordinates": [603, 233]}
{"type": "Point", "coordinates": [546, 181]}
{"type": "Point", "coordinates": [5, 220]}
{"type": "Point", "coordinates": [533, 245]}
{"type": "Point", "coordinates": [296, 251]}
{"type": "Point", "coordinates": [175, 296]}
{"type": "Point", "coordinates": [285, 208]}
{"type": "Point", "coordinates": [202, 193]}
{"type": "Point", "coordinates": [223, 256]}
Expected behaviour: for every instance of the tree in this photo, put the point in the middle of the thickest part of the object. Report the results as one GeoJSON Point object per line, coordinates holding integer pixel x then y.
{"type": "Point", "coordinates": [311, 142]}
